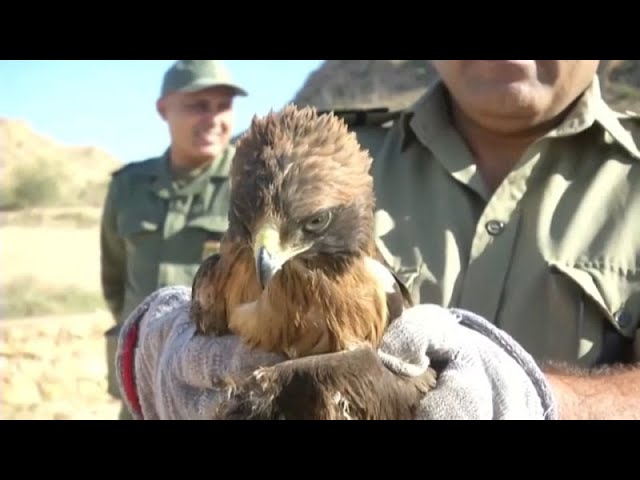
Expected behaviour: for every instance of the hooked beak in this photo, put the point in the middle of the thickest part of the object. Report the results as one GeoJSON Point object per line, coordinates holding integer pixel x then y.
{"type": "Point", "coordinates": [270, 255]}
{"type": "Point", "coordinates": [266, 265]}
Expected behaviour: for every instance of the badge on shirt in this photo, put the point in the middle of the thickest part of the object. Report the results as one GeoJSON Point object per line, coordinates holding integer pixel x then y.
{"type": "Point", "coordinates": [210, 247]}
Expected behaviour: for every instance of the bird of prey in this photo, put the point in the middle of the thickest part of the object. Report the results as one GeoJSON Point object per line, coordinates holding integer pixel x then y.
{"type": "Point", "coordinates": [298, 271]}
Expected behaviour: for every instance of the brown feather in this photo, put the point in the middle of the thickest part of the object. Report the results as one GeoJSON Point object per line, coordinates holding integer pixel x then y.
{"type": "Point", "coordinates": [299, 305]}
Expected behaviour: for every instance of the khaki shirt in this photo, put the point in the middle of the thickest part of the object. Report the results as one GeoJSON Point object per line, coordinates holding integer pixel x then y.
{"type": "Point", "coordinates": [156, 230]}
{"type": "Point", "coordinates": [552, 257]}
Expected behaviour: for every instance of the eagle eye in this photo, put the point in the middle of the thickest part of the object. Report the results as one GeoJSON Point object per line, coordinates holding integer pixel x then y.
{"type": "Point", "coordinates": [317, 223]}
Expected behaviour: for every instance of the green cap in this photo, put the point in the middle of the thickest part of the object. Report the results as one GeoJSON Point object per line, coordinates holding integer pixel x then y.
{"type": "Point", "coordinates": [194, 75]}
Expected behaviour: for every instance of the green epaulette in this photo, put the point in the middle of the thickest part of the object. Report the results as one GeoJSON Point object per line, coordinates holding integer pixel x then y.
{"type": "Point", "coordinates": [141, 166]}
{"type": "Point", "coordinates": [365, 116]}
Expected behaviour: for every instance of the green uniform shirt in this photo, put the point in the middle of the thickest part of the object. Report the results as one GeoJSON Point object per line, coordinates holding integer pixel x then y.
{"type": "Point", "coordinates": [156, 230]}
{"type": "Point", "coordinates": [552, 257]}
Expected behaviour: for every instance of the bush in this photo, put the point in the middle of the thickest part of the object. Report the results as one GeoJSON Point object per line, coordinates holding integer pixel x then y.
{"type": "Point", "coordinates": [33, 185]}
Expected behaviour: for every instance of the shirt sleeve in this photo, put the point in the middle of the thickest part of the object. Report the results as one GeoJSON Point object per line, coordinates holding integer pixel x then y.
{"type": "Point", "coordinates": [112, 255]}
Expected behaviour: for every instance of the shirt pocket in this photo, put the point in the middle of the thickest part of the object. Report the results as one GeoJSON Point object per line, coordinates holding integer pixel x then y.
{"type": "Point", "coordinates": [603, 307]}
{"type": "Point", "coordinates": [138, 225]}
{"type": "Point", "coordinates": [213, 227]}
{"type": "Point", "coordinates": [141, 230]}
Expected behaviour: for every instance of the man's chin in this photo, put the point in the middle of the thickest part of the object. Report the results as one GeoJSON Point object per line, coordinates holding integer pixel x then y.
{"type": "Point", "coordinates": [515, 100]}
{"type": "Point", "coordinates": [208, 152]}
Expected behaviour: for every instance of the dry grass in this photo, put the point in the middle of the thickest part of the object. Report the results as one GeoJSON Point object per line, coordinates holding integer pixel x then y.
{"type": "Point", "coordinates": [49, 269]}
{"type": "Point", "coordinates": [52, 217]}
{"type": "Point", "coordinates": [27, 297]}
{"type": "Point", "coordinates": [57, 256]}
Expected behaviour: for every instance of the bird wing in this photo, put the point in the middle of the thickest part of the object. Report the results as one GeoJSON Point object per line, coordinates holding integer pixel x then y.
{"type": "Point", "coordinates": [203, 272]}
{"type": "Point", "coordinates": [200, 309]}
{"type": "Point", "coordinates": [406, 295]}
{"type": "Point", "coordinates": [398, 296]}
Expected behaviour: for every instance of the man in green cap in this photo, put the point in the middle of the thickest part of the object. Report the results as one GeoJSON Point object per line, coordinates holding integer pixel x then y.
{"type": "Point", "coordinates": [163, 215]}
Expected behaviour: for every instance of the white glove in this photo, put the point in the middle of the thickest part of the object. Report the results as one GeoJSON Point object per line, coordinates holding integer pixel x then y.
{"type": "Point", "coordinates": [486, 373]}
{"type": "Point", "coordinates": [165, 371]}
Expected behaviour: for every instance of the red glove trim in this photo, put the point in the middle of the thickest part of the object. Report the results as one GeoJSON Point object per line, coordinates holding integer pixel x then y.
{"type": "Point", "coordinates": [128, 369]}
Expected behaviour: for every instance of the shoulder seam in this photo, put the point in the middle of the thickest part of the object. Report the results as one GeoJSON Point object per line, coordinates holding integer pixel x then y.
{"type": "Point", "coordinates": [359, 117]}
{"type": "Point", "coordinates": [134, 167]}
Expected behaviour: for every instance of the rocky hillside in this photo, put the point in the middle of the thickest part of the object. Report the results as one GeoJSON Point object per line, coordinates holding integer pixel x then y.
{"type": "Point", "coordinates": [397, 83]}
{"type": "Point", "coordinates": [40, 171]}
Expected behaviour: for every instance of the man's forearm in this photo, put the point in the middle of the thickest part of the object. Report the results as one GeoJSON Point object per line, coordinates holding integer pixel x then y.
{"type": "Point", "coordinates": [610, 393]}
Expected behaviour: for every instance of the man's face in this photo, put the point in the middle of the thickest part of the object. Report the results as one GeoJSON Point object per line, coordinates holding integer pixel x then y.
{"type": "Point", "coordinates": [512, 94]}
{"type": "Point", "coordinates": [200, 123]}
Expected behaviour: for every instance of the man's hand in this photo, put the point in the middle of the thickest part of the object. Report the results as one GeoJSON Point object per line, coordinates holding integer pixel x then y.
{"type": "Point", "coordinates": [606, 393]}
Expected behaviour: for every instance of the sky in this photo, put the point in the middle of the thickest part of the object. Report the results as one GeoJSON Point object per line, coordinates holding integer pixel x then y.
{"type": "Point", "coordinates": [110, 104]}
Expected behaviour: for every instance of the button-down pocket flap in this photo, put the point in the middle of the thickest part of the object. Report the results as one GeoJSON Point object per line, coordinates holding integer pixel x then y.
{"type": "Point", "coordinates": [211, 223]}
{"type": "Point", "coordinates": [136, 222]}
{"type": "Point", "coordinates": [582, 279]}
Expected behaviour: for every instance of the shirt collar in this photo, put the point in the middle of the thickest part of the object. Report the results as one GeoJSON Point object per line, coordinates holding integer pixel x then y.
{"type": "Point", "coordinates": [164, 184]}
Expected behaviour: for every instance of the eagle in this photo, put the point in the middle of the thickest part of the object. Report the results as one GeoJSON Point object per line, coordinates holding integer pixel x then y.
{"type": "Point", "coordinates": [299, 272]}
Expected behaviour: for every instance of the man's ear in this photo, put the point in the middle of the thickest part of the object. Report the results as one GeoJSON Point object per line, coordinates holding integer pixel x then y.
{"type": "Point", "coordinates": [161, 107]}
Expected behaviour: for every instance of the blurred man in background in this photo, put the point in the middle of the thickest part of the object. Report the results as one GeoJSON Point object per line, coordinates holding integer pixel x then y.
{"type": "Point", "coordinates": [164, 215]}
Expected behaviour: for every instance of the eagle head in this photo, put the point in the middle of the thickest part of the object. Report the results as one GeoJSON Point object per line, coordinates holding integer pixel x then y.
{"type": "Point", "coordinates": [301, 193]}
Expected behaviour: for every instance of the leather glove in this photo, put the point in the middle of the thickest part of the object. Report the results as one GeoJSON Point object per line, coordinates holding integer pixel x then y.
{"type": "Point", "coordinates": [165, 371]}
{"type": "Point", "coordinates": [483, 372]}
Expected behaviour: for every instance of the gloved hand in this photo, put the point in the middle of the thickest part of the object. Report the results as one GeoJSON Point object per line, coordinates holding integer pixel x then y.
{"type": "Point", "coordinates": [485, 373]}
{"type": "Point", "coordinates": [165, 371]}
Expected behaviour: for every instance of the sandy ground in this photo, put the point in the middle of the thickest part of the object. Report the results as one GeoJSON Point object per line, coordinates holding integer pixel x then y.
{"type": "Point", "coordinates": [54, 256]}
{"type": "Point", "coordinates": [53, 367]}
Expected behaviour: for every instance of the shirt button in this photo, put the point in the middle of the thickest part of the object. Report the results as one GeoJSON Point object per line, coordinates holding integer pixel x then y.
{"type": "Point", "coordinates": [494, 227]}
{"type": "Point", "coordinates": [624, 319]}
